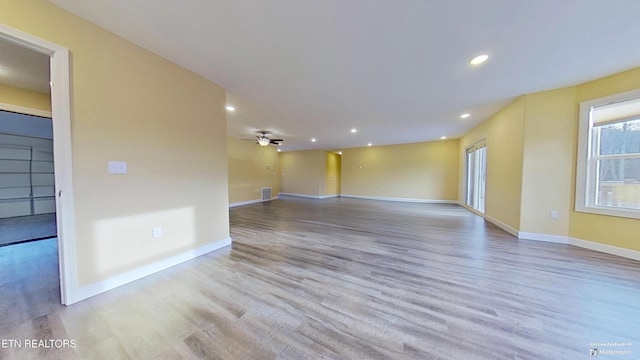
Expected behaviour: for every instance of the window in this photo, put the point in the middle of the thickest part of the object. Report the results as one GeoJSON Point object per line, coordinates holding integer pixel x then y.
{"type": "Point", "coordinates": [608, 179]}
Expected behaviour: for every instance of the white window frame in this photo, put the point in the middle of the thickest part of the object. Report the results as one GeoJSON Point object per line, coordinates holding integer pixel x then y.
{"type": "Point", "coordinates": [586, 175]}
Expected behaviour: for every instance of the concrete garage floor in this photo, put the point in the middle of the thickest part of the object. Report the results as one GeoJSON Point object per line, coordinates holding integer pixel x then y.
{"type": "Point", "coordinates": [27, 228]}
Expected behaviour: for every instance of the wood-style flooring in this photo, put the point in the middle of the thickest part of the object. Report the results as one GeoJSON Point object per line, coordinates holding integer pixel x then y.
{"type": "Point", "coordinates": [340, 279]}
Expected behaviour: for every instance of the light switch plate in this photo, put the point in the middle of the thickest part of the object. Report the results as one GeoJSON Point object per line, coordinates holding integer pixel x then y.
{"type": "Point", "coordinates": [117, 167]}
{"type": "Point", "coordinates": [156, 232]}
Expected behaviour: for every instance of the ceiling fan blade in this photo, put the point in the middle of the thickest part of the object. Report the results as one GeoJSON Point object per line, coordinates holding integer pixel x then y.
{"type": "Point", "coordinates": [276, 139]}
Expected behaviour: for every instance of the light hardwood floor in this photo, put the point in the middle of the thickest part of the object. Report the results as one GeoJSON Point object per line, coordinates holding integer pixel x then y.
{"type": "Point", "coordinates": [340, 279]}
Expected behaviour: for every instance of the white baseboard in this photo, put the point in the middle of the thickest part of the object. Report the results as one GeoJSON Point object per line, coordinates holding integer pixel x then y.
{"type": "Point", "coordinates": [88, 291]}
{"type": "Point", "coordinates": [591, 245]}
{"type": "Point", "coordinates": [329, 196]}
{"type": "Point", "coordinates": [249, 202]}
{"type": "Point", "coordinates": [412, 200]}
{"type": "Point", "coordinates": [501, 225]}
{"type": "Point", "coordinates": [308, 196]}
{"type": "Point", "coordinates": [609, 249]}
{"type": "Point", "coordinates": [558, 239]}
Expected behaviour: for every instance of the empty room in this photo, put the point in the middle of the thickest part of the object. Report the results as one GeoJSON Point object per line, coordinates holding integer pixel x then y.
{"type": "Point", "coordinates": [237, 179]}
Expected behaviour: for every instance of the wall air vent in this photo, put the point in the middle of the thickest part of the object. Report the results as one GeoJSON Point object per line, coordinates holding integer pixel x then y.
{"type": "Point", "coordinates": [266, 193]}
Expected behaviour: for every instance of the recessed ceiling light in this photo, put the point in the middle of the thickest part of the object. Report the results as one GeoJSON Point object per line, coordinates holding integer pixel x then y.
{"type": "Point", "coordinates": [339, 152]}
{"type": "Point", "coordinates": [354, 130]}
{"type": "Point", "coordinates": [442, 137]}
{"type": "Point", "coordinates": [465, 115]}
{"type": "Point", "coordinates": [313, 140]}
{"type": "Point", "coordinates": [231, 108]}
{"type": "Point", "coordinates": [369, 144]}
{"type": "Point", "coordinates": [479, 59]}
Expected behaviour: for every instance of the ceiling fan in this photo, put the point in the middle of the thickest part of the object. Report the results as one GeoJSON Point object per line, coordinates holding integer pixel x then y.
{"type": "Point", "coordinates": [264, 140]}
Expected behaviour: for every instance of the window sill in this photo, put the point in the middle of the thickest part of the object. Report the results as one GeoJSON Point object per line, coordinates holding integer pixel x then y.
{"type": "Point", "coordinates": [608, 211]}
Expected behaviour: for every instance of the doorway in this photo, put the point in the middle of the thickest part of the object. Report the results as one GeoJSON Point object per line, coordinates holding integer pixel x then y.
{"type": "Point", "coordinates": [476, 161]}
{"type": "Point", "coordinates": [58, 63]}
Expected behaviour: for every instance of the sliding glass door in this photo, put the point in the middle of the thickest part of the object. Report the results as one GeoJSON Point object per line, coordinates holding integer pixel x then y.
{"type": "Point", "coordinates": [476, 176]}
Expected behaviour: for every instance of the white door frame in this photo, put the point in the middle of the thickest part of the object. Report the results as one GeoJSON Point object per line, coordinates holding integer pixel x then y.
{"type": "Point", "coordinates": [61, 119]}
{"type": "Point", "coordinates": [472, 149]}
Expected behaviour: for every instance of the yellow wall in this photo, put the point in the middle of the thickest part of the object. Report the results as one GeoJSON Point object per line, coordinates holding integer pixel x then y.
{"type": "Point", "coordinates": [550, 129]}
{"type": "Point", "coordinates": [425, 171]}
{"type": "Point", "coordinates": [531, 164]}
{"type": "Point", "coordinates": [610, 230]}
{"type": "Point", "coordinates": [333, 174]}
{"type": "Point", "coordinates": [251, 167]}
{"type": "Point", "coordinates": [166, 122]}
{"type": "Point", "coordinates": [504, 134]}
{"type": "Point", "coordinates": [303, 172]}
{"type": "Point", "coordinates": [25, 98]}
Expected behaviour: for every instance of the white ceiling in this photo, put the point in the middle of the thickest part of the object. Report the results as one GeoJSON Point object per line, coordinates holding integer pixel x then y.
{"type": "Point", "coordinates": [396, 70]}
{"type": "Point", "coordinates": [23, 68]}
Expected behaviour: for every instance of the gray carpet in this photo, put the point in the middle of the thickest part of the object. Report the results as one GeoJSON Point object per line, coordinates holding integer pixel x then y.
{"type": "Point", "coordinates": [25, 228]}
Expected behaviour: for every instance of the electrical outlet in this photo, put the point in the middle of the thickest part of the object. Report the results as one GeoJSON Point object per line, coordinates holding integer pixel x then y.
{"type": "Point", "coordinates": [554, 214]}
{"type": "Point", "coordinates": [156, 232]}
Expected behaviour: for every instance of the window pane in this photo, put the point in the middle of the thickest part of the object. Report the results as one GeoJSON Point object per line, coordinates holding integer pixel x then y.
{"type": "Point", "coordinates": [620, 138]}
{"type": "Point", "coordinates": [619, 183]}
{"type": "Point", "coordinates": [470, 177]}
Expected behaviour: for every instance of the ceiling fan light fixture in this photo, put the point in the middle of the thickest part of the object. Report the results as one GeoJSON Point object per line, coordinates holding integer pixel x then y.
{"type": "Point", "coordinates": [263, 141]}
